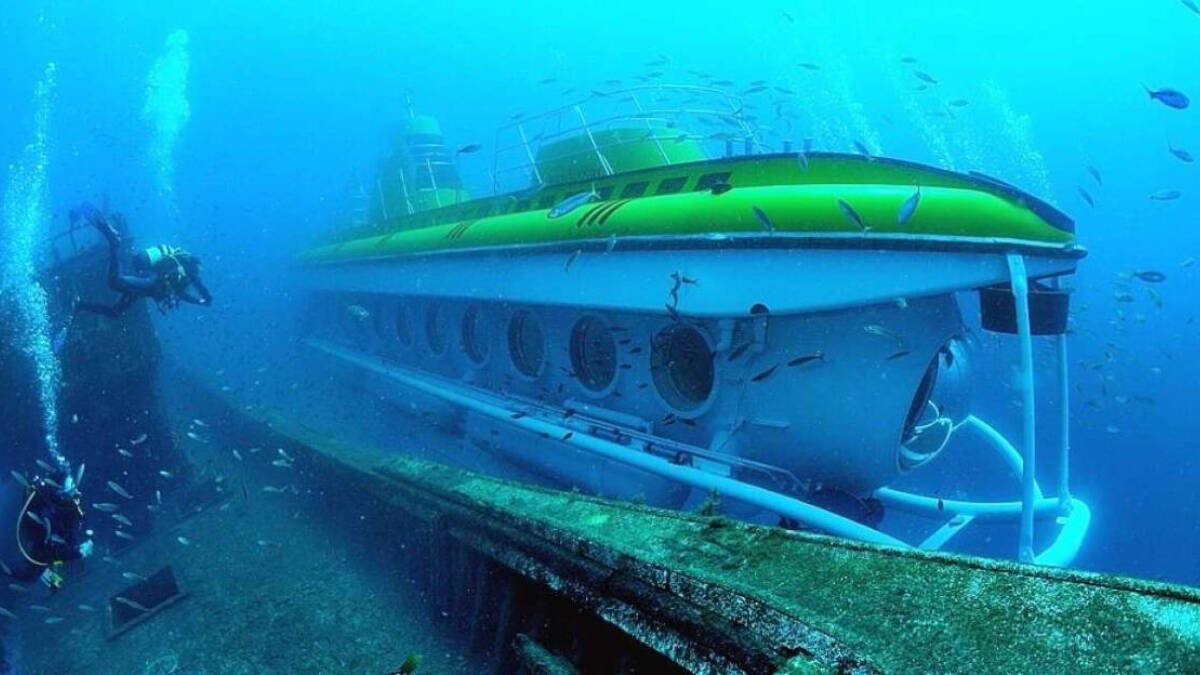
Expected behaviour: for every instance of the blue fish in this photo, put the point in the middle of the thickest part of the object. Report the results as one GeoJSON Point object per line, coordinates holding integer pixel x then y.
{"type": "Point", "coordinates": [1171, 98]}
{"type": "Point", "coordinates": [862, 150]}
{"type": "Point", "coordinates": [573, 202]}
{"type": "Point", "coordinates": [1087, 197]}
{"type": "Point", "coordinates": [852, 215]}
{"type": "Point", "coordinates": [908, 208]}
{"type": "Point", "coordinates": [1191, 5]}
{"type": "Point", "coordinates": [764, 220]}
{"type": "Point", "coordinates": [1166, 195]}
{"type": "Point", "coordinates": [1095, 174]}
{"type": "Point", "coordinates": [1180, 153]}
{"type": "Point", "coordinates": [925, 77]}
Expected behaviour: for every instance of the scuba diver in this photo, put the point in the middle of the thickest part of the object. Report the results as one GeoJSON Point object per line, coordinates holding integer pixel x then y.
{"type": "Point", "coordinates": [162, 273]}
{"type": "Point", "coordinates": [46, 517]}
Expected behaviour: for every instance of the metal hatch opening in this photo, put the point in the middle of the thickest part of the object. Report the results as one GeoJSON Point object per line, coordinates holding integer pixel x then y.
{"type": "Point", "coordinates": [143, 600]}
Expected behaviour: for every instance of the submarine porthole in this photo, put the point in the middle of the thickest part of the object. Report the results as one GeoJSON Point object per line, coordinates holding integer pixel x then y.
{"type": "Point", "coordinates": [526, 343]}
{"type": "Point", "coordinates": [435, 331]}
{"type": "Point", "coordinates": [476, 342]}
{"type": "Point", "coordinates": [593, 354]}
{"type": "Point", "coordinates": [941, 401]}
{"type": "Point", "coordinates": [681, 364]}
{"type": "Point", "coordinates": [403, 331]}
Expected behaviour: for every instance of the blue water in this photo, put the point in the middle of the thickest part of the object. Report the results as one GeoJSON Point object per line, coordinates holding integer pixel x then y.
{"type": "Point", "coordinates": [284, 107]}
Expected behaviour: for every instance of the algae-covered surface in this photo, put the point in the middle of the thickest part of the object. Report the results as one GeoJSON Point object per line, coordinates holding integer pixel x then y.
{"type": "Point", "coordinates": [272, 586]}
{"type": "Point", "coordinates": [898, 611]}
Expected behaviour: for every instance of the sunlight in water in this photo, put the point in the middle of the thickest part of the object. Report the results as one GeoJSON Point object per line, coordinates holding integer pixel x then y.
{"type": "Point", "coordinates": [167, 111]}
{"type": "Point", "coordinates": [23, 246]}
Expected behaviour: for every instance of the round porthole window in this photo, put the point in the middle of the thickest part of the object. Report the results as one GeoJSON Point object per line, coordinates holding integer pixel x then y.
{"type": "Point", "coordinates": [403, 331]}
{"type": "Point", "coordinates": [435, 332]}
{"type": "Point", "coordinates": [681, 364]}
{"type": "Point", "coordinates": [593, 354]}
{"type": "Point", "coordinates": [526, 343]}
{"type": "Point", "coordinates": [476, 342]}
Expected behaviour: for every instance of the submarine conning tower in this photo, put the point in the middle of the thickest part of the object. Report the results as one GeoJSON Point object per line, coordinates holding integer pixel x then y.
{"type": "Point", "coordinates": [419, 174]}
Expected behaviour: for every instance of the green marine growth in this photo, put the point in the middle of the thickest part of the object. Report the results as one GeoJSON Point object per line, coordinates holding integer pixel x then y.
{"type": "Point", "coordinates": [711, 506]}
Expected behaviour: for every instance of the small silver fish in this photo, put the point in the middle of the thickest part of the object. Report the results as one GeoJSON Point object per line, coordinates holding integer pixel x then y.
{"type": "Point", "coordinates": [20, 478]}
{"type": "Point", "coordinates": [107, 507]}
{"type": "Point", "coordinates": [5, 568]}
{"type": "Point", "coordinates": [122, 520]}
{"type": "Point", "coordinates": [133, 576]}
{"type": "Point", "coordinates": [184, 540]}
{"type": "Point", "coordinates": [195, 437]}
{"type": "Point", "coordinates": [86, 608]}
{"type": "Point", "coordinates": [237, 454]}
{"type": "Point", "coordinates": [44, 466]}
{"type": "Point", "coordinates": [124, 535]}
{"type": "Point", "coordinates": [131, 603]}
{"type": "Point", "coordinates": [7, 614]}
{"type": "Point", "coordinates": [876, 329]}
{"type": "Point", "coordinates": [1166, 195]}
{"type": "Point", "coordinates": [909, 207]}
{"type": "Point", "coordinates": [764, 221]}
{"type": "Point", "coordinates": [18, 588]}
{"type": "Point", "coordinates": [358, 312]}
{"type": "Point", "coordinates": [139, 440]}
{"type": "Point", "coordinates": [852, 216]}
{"type": "Point", "coordinates": [282, 463]}
{"type": "Point", "coordinates": [115, 487]}
{"type": "Point", "coordinates": [53, 620]}
{"type": "Point", "coordinates": [124, 453]}
{"type": "Point", "coordinates": [39, 608]}
{"type": "Point", "coordinates": [166, 474]}
{"type": "Point", "coordinates": [573, 202]}
{"type": "Point", "coordinates": [283, 454]}
{"type": "Point", "coordinates": [36, 518]}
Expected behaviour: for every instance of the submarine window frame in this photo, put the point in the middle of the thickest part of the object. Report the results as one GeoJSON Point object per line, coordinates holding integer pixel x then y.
{"type": "Point", "coordinates": [516, 355]}
{"type": "Point", "coordinates": [708, 180]}
{"type": "Point", "coordinates": [476, 334]}
{"type": "Point", "coordinates": [434, 320]}
{"type": "Point", "coordinates": [635, 190]}
{"type": "Point", "coordinates": [582, 366]}
{"type": "Point", "coordinates": [670, 186]}
{"type": "Point", "coordinates": [665, 383]}
{"type": "Point", "coordinates": [604, 192]}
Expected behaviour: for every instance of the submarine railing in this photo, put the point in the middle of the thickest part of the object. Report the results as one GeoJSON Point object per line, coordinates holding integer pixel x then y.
{"type": "Point", "coordinates": [640, 114]}
{"type": "Point", "coordinates": [1060, 552]}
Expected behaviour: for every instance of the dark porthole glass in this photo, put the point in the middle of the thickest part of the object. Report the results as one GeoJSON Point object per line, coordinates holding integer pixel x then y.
{"type": "Point", "coordinates": [476, 343]}
{"type": "Point", "coordinates": [526, 343]}
{"type": "Point", "coordinates": [681, 363]}
{"type": "Point", "coordinates": [593, 354]}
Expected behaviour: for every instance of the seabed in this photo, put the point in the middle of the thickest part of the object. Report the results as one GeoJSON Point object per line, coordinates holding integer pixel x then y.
{"type": "Point", "coordinates": [382, 555]}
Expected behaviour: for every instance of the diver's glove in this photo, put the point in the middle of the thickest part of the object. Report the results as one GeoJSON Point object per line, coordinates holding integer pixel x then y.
{"type": "Point", "coordinates": [86, 548]}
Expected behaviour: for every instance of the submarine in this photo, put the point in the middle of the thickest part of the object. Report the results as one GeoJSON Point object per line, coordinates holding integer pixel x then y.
{"type": "Point", "coordinates": [653, 304]}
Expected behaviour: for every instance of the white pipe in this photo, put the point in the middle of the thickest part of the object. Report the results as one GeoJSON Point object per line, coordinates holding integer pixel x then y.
{"type": "Point", "coordinates": [696, 478]}
{"type": "Point", "coordinates": [1006, 449]}
{"type": "Point", "coordinates": [1020, 291]}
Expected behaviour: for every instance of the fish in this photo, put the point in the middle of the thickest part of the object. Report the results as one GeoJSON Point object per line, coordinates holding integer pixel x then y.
{"type": "Point", "coordinates": [1190, 4]}
{"type": "Point", "coordinates": [5, 568]}
{"type": "Point", "coordinates": [720, 188]}
{"type": "Point", "coordinates": [1166, 195]}
{"type": "Point", "coordinates": [116, 487]}
{"type": "Point", "coordinates": [120, 518]}
{"type": "Point", "coordinates": [809, 66]}
{"type": "Point", "coordinates": [133, 576]}
{"type": "Point", "coordinates": [959, 103]}
{"type": "Point", "coordinates": [86, 608]}
{"type": "Point", "coordinates": [123, 535]}
{"type": "Point", "coordinates": [1094, 173]}
{"type": "Point", "coordinates": [1151, 276]}
{"type": "Point", "coordinates": [60, 338]}
{"type": "Point", "coordinates": [124, 453]}
{"type": "Point", "coordinates": [852, 215]}
{"type": "Point", "coordinates": [1171, 98]}
{"type": "Point", "coordinates": [106, 507]}
{"type": "Point", "coordinates": [1086, 197]}
{"type": "Point", "coordinates": [20, 478]}
{"type": "Point", "coordinates": [764, 220]}
{"type": "Point", "coordinates": [357, 311]}
{"type": "Point", "coordinates": [51, 620]}
{"type": "Point", "coordinates": [762, 375]}
{"type": "Point", "coordinates": [567, 436]}
{"type": "Point", "coordinates": [571, 259]}
{"type": "Point", "coordinates": [17, 588]}
{"type": "Point", "coordinates": [409, 666]}
{"type": "Point", "coordinates": [166, 474]}
{"type": "Point", "coordinates": [802, 160]}
{"type": "Point", "coordinates": [139, 440]}
{"type": "Point", "coordinates": [1181, 154]}
{"type": "Point", "coordinates": [184, 540]}
{"type": "Point", "coordinates": [755, 89]}
{"type": "Point", "coordinates": [876, 329]}
{"type": "Point", "coordinates": [899, 355]}
{"type": "Point", "coordinates": [571, 203]}
{"type": "Point", "coordinates": [36, 518]}
{"type": "Point", "coordinates": [941, 505]}
{"type": "Point", "coordinates": [39, 608]}
{"type": "Point", "coordinates": [862, 149]}
{"type": "Point", "coordinates": [909, 207]}
{"type": "Point", "coordinates": [133, 604]}
{"type": "Point", "coordinates": [468, 149]}
{"type": "Point", "coordinates": [612, 243]}
{"type": "Point", "coordinates": [282, 463]}
{"type": "Point", "coordinates": [807, 358]}
{"type": "Point", "coordinates": [7, 614]}
{"type": "Point", "coordinates": [199, 422]}
{"type": "Point", "coordinates": [44, 466]}
{"type": "Point", "coordinates": [545, 80]}
{"type": "Point", "coordinates": [739, 350]}
{"type": "Point", "coordinates": [925, 77]}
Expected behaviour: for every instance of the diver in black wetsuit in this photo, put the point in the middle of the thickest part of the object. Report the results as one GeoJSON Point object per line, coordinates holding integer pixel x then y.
{"type": "Point", "coordinates": [162, 273]}
{"type": "Point", "coordinates": [41, 528]}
